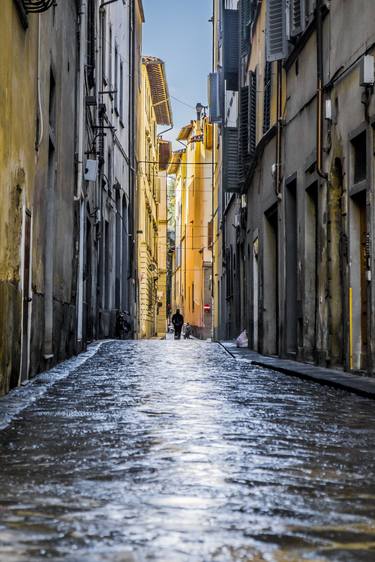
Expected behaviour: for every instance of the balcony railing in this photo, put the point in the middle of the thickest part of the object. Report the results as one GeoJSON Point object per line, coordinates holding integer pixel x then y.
{"type": "Point", "coordinates": [38, 6]}
{"type": "Point", "coordinates": [25, 7]}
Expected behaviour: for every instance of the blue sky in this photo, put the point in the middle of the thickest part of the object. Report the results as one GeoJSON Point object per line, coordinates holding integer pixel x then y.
{"type": "Point", "coordinates": [178, 32]}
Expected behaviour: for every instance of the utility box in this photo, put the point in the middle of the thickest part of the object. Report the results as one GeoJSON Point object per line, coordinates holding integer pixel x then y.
{"type": "Point", "coordinates": [367, 71]}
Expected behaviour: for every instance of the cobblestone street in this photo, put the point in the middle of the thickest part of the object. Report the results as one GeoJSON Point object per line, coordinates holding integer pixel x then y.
{"type": "Point", "coordinates": [175, 452]}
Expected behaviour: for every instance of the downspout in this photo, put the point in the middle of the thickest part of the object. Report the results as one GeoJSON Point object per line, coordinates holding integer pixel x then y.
{"type": "Point", "coordinates": [320, 78]}
{"type": "Point", "coordinates": [40, 109]}
{"type": "Point", "coordinates": [213, 214]}
{"type": "Point", "coordinates": [319, 163]}
{"type": "Point", "coordinates": [81, 100]}
{"type": "Point", "coordinates": [132, 281]}
{"type": "Point", "coordinates": [79, 179]}
{"type": "Point", "coordinates": [160, 135]}
{"type": "Point", "coordinates": [279, 102]}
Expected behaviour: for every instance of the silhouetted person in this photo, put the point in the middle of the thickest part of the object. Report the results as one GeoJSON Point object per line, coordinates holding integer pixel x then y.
{"type": "Point", "coordinates": [178, 322]}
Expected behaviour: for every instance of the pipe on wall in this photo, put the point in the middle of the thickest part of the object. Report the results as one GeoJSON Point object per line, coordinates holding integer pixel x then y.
{"type": "Point", "coordinates": [79, 196]}
{"type": "Point", "coordinates": [279, 102]}
{"type": "Point", "coordinates": [320, 100]}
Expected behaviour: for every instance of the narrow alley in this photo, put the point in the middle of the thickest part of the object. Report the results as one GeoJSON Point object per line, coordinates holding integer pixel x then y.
{"type": "Point", "coordinates": [174, 452]}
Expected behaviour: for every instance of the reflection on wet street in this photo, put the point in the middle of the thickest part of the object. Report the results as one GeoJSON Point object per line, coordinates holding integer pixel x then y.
{"type": "Point", "coordinates": [175, 452]}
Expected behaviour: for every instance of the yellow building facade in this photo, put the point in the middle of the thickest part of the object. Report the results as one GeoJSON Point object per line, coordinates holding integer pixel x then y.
{"type": "Point", "coordinates": [18, 79]}
{"type": "Point", "coordinates": [38, 58]}
{"type": "Point", "coordinates": [192, 276]}
{"type": "Point", "coordinates": [155, 110]}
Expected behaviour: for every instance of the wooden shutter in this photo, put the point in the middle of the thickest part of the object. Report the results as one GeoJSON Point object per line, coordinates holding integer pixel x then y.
{"type": "Point", "coordinates": [214, 97]}
{"type": "Point", "coordinates": [297, 17]}
{"type": "Point", "coordinates": [267, 96]}
{"type": "Point", "coordinates": [243, 130]}
{"type": "Point", "coordinates": [230, 159]}
{"type": "Point", "coordinates": [276, 30]}
{"type": "Point", "coordinates": [245, 25]}
{"type": "Point", "coordinates": [91, 43]}
{"type": "Point", "coordinates": [231, 48]}
{"type": "Point", "coordinates": [252, 134]}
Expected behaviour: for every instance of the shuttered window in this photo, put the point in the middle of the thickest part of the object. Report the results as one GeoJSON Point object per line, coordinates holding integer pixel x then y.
{"type": "Point", "coordinates": [91, 43]}
{"type": "Point", "coordinates": [297, 17]}
{"type": "Point", "coordinates": [276, 30]}
{"type": "Point", "coordinates": [230, 159]}
{"type": "Point", "coordinates": [231, 48]}
{"type": "Point", "coordinates": [245, 25]}
{"type": "Point", "coordinates": [214, 85]}
{"type": "Point", "coordinates": [252, 134]}
{"type": "Point", "coordinates": [243, 130]}
{"type": "Point", "coordinates": [267, 96]}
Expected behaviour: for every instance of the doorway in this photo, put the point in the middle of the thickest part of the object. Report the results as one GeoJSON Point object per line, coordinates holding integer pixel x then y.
{"type": "Point", "coordinates": [358, 318]}
{"type": "Point", "coordinates": [270, 284]}
{"type": "Point", "coordinates": [256, 294]}
{"type": "Point", "coordinates": [310, 304]}
{"type": "Point", "coordinates": [291, 267]}
{"type": "Point", "coordinates": [26, 298]}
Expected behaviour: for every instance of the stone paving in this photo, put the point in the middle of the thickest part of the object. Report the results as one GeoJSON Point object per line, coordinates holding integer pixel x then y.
{"type": "Point", "coordinates": [175, 452]}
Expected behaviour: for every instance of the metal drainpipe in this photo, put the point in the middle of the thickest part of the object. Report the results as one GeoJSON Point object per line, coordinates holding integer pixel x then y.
{"type": "Point", "coordinates": [319, 154]}
{"type": "Point", "coordinates": [213, 304]}
{"type": "Point", "coordinates": [159, 135]}
{"type": "Point", "coordinates": [320, 78]}
{"type": "Point", "coordinates": [279, 126]}
{"type": "Point", "coordinates": [79, 195]}
{"type": "Point", "coordinates": [40, 108]}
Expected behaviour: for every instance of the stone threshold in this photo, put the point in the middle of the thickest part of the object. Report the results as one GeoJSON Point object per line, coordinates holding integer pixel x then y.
{"type": "Point", "coordinates": [361, 385]}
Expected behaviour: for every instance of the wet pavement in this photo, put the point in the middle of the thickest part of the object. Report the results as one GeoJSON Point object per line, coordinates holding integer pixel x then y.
{"type": "Point", "coordinates": [175, 452]}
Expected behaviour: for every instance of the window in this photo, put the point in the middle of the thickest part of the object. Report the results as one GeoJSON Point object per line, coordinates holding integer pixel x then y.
{"type": "Point", "coordinates": [116, 79]}
{"type": "Point", "coordinates": [210, 233]}
{"type": "Point", "coordinates": [121, 109]}
{"type": "Point", "coordinates": [109, 175]}
{"type": "Point", "coordinates": [103, 39]}
{"type": "Point", "coordinates": [91, 43]}
{"type": "Point", "coordinates": [252, 113]}
{"type": "Point", "coordinates": [359, 157]}
{"type": "Point", "coordinates": [276, 41]}
{"type": "Point", "coordinates": [267, 96]}
{"type": "Point", "coordinates": [297, 17]}
{"type": "Point", "coordinates": [110, 58]}
{"type": "Point", "coordinates": [52, 103]}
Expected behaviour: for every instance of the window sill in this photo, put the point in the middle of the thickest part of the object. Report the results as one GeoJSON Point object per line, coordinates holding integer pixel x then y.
{"type": "Point", "coordinates": [358, 187]}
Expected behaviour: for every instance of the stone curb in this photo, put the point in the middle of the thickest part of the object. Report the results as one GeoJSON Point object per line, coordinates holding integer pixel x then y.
{"type": "Point", "coordinates": [357, 384]}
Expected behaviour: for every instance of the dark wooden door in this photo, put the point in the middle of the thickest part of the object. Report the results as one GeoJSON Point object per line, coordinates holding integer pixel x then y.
{"type": "Point", "coordinates": [363, 250]}
{"type": "Point", "coordinates": [26, 298]}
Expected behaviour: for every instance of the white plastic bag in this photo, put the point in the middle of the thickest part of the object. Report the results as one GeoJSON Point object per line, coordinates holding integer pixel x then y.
{"type": "Point", "coordinates": [242, 340]}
